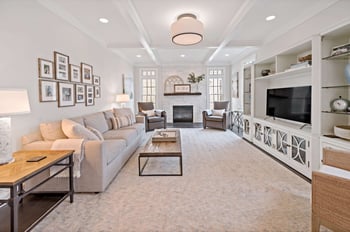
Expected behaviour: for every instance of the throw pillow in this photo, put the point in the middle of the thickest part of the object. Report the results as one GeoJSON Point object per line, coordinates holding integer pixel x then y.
{"type": "Point", "coordinates": [218, 112]}
{"type": "Point", "coordinates": [158, 112]}
{"type": "Point", "coordinates": [51, 131]}
{"type": "Point", "coordinates": [123, 121]}
{"type": "Point", "coordinates": [149, 113]}
{"type": "Point", "coordinates": [118, 112]}
{"type": "Point", "coordinates": [96, 132]}
{"type": "Point", "coordinates": [115, 125]}
{"type": "Point", "coordinates": [74, 130]}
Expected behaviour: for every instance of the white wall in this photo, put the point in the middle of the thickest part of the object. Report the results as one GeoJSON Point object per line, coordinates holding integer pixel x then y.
{"type": "Point", "coordinates": [28, 32]}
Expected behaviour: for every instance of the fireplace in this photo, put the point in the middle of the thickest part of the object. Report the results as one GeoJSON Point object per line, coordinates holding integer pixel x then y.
{"type": "Point", "coordinates": [183, 113]}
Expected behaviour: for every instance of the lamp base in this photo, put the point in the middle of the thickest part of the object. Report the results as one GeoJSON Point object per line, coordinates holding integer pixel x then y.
{"type": "Point", "coordinates": [7, 161]}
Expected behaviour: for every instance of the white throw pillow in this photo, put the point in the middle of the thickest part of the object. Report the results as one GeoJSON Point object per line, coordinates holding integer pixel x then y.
{"type": "Point", "coordinates": [218, 112]}
{"type": "Point", "coordinates": [149, 113]}
{"type": "Point", "coordinates": [74, 130]}
{"type": "Point", "coordinates": [51, 131]}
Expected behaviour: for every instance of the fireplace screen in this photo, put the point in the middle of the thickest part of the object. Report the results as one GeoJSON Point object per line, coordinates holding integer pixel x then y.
{"type": "Point", "coordinates": [183, 113]}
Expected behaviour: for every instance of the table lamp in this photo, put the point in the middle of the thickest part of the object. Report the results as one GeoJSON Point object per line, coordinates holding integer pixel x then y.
{"type": "Point", "coordinates": [12, 102]}
{"type": "Point", "coordinates": [122, 99]}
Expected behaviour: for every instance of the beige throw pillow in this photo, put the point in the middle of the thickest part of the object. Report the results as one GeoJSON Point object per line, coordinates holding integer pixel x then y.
{"type": "Point", "coordinates": [149, 113]}
{"type": "Point", "coordinates": [51, 131]}
{"type": "Point", "coordinates": [74, 130]}
{"type": "Point", "coordinates": [218, 112]}
{"type": "Point", "coordinates": [123, 121]}
{"type": "Point", "coordinates": [96, 132]}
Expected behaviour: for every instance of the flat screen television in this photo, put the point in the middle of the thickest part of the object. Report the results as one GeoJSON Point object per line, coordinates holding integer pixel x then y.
{"type": "Point", "coordinates": [292, 103]}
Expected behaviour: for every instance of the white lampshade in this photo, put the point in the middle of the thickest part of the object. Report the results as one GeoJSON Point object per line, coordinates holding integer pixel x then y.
{"type": "Point", "coordinates": [187, 30]}
{"type": "Point", "coordinates": [122, 98]}
{"type": "Point", "coordinates": [13, 101]}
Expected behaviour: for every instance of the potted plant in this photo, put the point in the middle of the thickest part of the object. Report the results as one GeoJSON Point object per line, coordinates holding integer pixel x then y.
{"type": "Point", "coordinates": [193, 79]}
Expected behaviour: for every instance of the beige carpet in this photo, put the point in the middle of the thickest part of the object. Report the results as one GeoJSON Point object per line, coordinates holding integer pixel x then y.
{"type": "Point", "coordinates": [228, 185]}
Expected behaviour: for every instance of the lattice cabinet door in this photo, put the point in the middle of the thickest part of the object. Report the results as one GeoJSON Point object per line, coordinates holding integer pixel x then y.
{"type": "Point", "coordinates": [268, 136]}
{"type": "Point", "coordinates": [299, 150]}
{"type": "Point", "coordinates": [258, 131]}
{"type": "Point", "coordinates": [282, 142]}
{"type": "Point", "coordinates": [246, 126]}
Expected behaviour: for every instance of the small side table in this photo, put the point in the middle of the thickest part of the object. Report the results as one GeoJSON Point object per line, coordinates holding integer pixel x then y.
{"type": "Point", "coordinates": [22, 210]}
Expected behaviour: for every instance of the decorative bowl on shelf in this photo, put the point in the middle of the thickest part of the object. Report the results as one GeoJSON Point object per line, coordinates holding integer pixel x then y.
{"type": "Point", "coordinates": [342, 131]}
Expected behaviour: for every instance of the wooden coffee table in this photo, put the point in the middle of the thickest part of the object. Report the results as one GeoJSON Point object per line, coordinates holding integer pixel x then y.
{"type": "Point", "coordinates": [160, 150]}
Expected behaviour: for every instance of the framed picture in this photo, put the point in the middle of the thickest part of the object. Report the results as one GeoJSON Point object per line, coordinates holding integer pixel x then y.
{"type": "Point", "coordinates": [45, 68]}
{"type": "Point", "coordinates": [86, 73]}
{"type": "Point", "coordinates": [129, 87]}
{"type": "Point", "coordinates": [61, 66]}
{"type": "Point", "coordinates": [182, 88]}
{"type": "Point", "coordinates": [79, 93]}
{"type": "Point", "coordinates": [48, 91]}
{"type": "Point", "coordinates": [89, 95]}
{"type": "Point", "coordinates": [74, 73]}
{"type": "Point", "coordinates": [96, 80]}
{"type": "Point", "coordinates": [97, 92]}
{"type": "Point", "coordinates": [65, 94]}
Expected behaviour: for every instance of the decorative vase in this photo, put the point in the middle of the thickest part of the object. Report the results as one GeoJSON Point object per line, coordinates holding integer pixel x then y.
{"type": "Point", "coordinates": [195, 88]}
{"type": "Point", "coordinates": [347, 73]}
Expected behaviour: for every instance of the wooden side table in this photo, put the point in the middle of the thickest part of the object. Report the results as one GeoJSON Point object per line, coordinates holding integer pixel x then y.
{"type": "Point", "coordinates": [24, 209]}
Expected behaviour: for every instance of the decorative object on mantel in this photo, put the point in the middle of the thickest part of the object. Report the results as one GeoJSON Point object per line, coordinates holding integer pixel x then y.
{"type": "Point", "coordinates": [170, 82]}
{"type": "Point", "coordinates": [195, 80]}
{"type": "Point", "coordinates": [14, 102]}
{"type": "Point", "coordinates": [182, 88]}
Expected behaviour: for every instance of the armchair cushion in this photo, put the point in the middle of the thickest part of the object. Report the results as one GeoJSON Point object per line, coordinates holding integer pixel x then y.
{"type": "Point", "coordinates": [218, 112]}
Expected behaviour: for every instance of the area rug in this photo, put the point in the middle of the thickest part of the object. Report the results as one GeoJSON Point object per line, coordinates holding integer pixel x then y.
{"type": "Point", "coordinates": [227, 185]}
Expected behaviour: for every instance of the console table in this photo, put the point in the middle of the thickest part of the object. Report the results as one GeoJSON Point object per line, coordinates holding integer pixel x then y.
{"type": "Point", "coordinates": [24, 208]}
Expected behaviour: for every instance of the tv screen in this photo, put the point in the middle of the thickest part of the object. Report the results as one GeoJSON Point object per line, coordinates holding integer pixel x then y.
{"type": "Point", "coordinates": [290, 103]}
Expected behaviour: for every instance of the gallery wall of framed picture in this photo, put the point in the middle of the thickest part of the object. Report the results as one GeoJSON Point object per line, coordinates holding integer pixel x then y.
{"type": "Point", "coordinates": [66, 83]}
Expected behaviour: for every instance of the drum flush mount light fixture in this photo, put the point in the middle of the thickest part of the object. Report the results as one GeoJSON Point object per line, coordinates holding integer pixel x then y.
{"type": "Point", "coordinates": [187, 30]}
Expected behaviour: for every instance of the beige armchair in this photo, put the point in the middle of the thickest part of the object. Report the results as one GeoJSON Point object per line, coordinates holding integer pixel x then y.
{"type": "Point", "coordinates": [154, 119]}
{"type": "Point", "coordinates": [219, 117]}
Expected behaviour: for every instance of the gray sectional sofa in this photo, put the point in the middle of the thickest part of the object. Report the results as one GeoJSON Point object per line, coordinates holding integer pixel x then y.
{"type": "Point", "coordinates": [109, 140]}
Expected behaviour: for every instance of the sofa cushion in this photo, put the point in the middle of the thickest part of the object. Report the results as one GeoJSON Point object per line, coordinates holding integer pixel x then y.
{"type": "Point", "coordinates": [120, 112]}
{"type": "Point", "coordinates": [139, 127]}
{"type": "Point", "coordinates": [79, 120]}
{"type": "Point", "coordinates": [109, 116]}
{"type": "Point", "coordinates": [74, 130]}
{"type": "Point", "coordinates": [51, 131]}
{"type": "Point", "coordinates": [128, 135]}
{"type": "Point", "coordinates": [97, 121]}
{"type": "Point", "coordinates": [96, 132]}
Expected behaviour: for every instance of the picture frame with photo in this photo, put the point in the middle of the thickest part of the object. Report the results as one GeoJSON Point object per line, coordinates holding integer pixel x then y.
{"type": "Point", "coordinates": [47, 91]}
{"type": "Point", "coordinates": [66, 94]}
{"type": "Point", "coordinates": [74, 73]}
{"type": "Point", "coordinates": [182, 88]}
{"type": "Point", "coordinates": [61, 66]}
{"type": "Point", "coordinates": [86, 73]}
{"type": "Point", "coordinates": [45, 68]}
{"type": "Point", "coordinates": [79, 93]}
{"type": "Point", "coordinates": [97, 80]}
{"type": "Point", "coordinates": [97, 91]}
{"type": "Point", "coordinates": [89, 95]}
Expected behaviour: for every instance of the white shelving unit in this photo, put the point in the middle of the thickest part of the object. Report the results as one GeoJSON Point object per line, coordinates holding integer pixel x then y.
{"type": "Point", "coordinates": [247, 101]}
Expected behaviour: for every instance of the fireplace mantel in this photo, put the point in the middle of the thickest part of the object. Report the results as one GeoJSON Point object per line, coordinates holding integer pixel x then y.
{"type": "Point", "coordinates": [177, 94]}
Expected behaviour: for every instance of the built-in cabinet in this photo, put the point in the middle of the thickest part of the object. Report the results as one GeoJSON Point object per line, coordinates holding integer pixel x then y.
{"type": "Point", "coordinates": [247, 102]}
{"type": "Point", "coordinates": [296, 144]}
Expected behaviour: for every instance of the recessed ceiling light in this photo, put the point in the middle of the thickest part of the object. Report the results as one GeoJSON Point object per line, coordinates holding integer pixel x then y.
{"type": "Point", "coordinates": [138, 56]}
{"type": "Point", "coordinates": [182, 55]}
{"type": "Point", "coordinates": [227, 54]}
{"type": "Point", "coordinates": [103, 20]}
{"type": "Point", "coordinates": [269, 18]}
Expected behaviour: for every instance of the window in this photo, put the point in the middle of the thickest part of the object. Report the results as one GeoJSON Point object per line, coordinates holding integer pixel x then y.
{"type": "Point", "coordinates": [148, 85]}
{"type": "Point", "coordinates": [215, 85]}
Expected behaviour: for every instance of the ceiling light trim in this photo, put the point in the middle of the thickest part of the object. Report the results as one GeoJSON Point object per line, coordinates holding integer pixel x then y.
{"type": "Point", "coordinates": [187, 30]}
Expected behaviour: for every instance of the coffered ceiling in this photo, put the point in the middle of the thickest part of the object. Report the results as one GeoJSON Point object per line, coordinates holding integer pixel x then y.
{"type": "Point", "coordinates": [139, 30]}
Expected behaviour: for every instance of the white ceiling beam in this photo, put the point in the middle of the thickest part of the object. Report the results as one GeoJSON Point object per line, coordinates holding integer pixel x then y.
{"type": "Point", "coordinates": [229, 32]}
{"type": "Point", "coordinates": [128, 11]}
